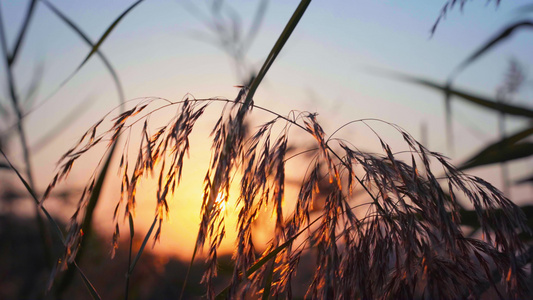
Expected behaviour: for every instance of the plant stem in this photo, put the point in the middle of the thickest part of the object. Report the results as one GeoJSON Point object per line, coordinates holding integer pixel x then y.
{"type": "Point", "coordinates": [9, 59]}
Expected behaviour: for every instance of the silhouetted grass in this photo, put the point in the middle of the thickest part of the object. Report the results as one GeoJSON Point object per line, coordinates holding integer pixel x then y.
{"type": "Point", "coordinates": [409, 242]}
{"type": "Point", "coordinates": [389, 227]}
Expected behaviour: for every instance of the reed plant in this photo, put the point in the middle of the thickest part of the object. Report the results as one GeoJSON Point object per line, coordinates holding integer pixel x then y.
{"type": "Point", "coordinates": [390, 225]}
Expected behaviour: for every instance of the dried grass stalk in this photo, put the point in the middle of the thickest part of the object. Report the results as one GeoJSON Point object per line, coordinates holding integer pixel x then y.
{"type": "Point", "coordinates": [406, 241]}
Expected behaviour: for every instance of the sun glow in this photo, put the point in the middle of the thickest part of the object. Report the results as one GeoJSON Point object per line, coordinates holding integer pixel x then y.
{"type": "Point", "coordinates": [221, 201]}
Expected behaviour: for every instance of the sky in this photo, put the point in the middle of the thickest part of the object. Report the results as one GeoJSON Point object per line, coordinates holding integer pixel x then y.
{"type": "Point", "coordinates": [164, 49]}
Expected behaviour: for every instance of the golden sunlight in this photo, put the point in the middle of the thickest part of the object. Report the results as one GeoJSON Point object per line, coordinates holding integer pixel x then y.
{"type": "Point", "coordinates": [221, 201]}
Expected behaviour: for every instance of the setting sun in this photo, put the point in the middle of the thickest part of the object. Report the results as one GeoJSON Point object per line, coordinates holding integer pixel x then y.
{"type": "Point", "coordinates": [221, 201]}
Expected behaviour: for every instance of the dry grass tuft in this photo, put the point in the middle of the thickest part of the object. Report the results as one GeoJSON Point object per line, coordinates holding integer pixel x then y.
{"type": "Point", "coordinates": [402, 238]}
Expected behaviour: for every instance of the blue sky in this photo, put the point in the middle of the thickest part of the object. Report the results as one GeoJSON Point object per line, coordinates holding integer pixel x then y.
{"type": "Point", "coordinates": [156, 51]}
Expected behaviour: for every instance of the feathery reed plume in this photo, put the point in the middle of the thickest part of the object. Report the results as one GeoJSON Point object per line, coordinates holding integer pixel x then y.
{"type": "Point", "coordinates": [401, 238]}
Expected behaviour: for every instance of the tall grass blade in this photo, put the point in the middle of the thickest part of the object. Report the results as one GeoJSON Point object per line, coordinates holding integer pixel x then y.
{"type": "Point", "coordinates": [146, 238]}
{"type": "Point", "coordinates": [54, 224]}
{"type": "Point", "coordinates": [185, 281]}
{"type": "Point", "coordinates": [500, 149]}
{"type": "Point", "coordinates": [510, 139]}
{"type": "Point", "coordinates": [465, 95]}
{"type": "Point", "coordinates": [449, 124]}
{"type": "Point", "coordinates": [132, 227]}
{"type": "Point", "coordinates": [470, 218]}
{"type": "Point", "coordinates": [88, 217]}
{"type": "Point", "coordinates": [510, 152]}
{"type": "Point", "coordinates": [94, 49]}
{"type": "Point", "coordinates": [95, 195]}
{"type": "Point", "coordinates": [108, 31]}
{"type": "Point", "coordinates": [268, 281]}
{"type": "Point", "coordinates": [34, 196]}
{"type": "Point", "coordinates": [15, 103]}
{"type": "Point", "coordinates": [88, 284]}
{"type": "Point", "coordinates": [22, 33]}
{"type": "Point", "coordinates": [139, 253]}
{"type": "Point", "coordinates": [18, 110]}
{"type": "Point", "coordinates": [132, 234]}
{"type": "Point", "coordinates": [287, 31]}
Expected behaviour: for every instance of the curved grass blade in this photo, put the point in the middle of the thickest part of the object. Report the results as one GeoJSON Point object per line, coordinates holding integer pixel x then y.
{"type": "Point", "coordinates": [500, 37]}
{"type": "Point", "coordinates": [498, 149]}
{"type": "Point", "coordinates": [108, 31]}
{"type": "Point", "coordinates": [54, 224]}
{"type": "Point", "coordinates": [528, 179]}
{"type": "Point", "coordinates": [448, 115]}
{"type": "Point", "coordinates": [465, 95]}
{"type": "Point", "coordinates": [510, 152]}
{"type": "Point", "coordinates": [94, 47]}
{"type": "Point", "coordinates": [512, 139]}
{"type": "Point", "coordinates": [507, 32]}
